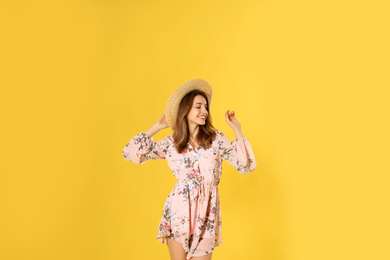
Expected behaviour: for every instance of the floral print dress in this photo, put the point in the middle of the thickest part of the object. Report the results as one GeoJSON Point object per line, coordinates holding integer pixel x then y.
{"type": "Point", "coordinates": [192, 211]}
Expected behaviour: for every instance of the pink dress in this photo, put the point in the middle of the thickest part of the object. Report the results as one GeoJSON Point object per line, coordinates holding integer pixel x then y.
{"type": "Point", "coordinates": [192, 211]}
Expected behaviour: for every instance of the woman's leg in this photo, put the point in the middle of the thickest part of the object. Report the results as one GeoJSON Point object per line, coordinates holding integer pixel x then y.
{"type": "Point", "coordinates": [203, 257]}
{"type": "Point", "coordinates": [176, 250]}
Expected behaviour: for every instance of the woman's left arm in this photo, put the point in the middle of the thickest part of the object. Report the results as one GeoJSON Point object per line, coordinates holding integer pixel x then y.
{"type": "Point", "coordinates": [239, 152]}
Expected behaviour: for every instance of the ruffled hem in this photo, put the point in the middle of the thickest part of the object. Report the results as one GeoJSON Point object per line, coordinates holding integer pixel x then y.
{"type": "Point", "coordinates": [163, 236]}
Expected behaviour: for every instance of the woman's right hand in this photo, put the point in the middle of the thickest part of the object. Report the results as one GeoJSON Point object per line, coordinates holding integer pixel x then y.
{"type": "Point", "coordinates": [162, 122]}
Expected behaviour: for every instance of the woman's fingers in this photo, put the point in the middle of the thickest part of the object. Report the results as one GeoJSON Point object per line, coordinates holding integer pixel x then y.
{"type": "Point", "coordinates": [227, 115]}
{"type": "Point", "coordinates": [231, 114]}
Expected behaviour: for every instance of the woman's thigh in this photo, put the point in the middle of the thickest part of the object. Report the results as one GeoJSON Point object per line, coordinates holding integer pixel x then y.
{"type": "Point", "coordinates": [176, 250]}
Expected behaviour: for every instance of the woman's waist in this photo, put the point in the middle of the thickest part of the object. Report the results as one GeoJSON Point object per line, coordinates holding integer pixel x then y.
{"type": "Point", "coordinates": [198, 181]}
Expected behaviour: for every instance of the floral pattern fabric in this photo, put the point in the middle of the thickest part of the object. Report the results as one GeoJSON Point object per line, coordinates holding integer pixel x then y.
{"type": "Point", "coordinates": [192, 211]}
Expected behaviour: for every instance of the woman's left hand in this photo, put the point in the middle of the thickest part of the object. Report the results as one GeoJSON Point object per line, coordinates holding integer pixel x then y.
{"type": "Point", "coordinates": [232, 120]}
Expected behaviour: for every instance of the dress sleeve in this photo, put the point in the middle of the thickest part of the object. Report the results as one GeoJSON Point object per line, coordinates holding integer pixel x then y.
{"type": "Point", "coordinates": [238, 153]}
{"type": "Point", "coordinates": [142, 148]}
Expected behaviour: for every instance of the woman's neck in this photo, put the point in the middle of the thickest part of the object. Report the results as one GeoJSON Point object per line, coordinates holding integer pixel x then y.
{"type": "Point", "coordinates": [194, 129]}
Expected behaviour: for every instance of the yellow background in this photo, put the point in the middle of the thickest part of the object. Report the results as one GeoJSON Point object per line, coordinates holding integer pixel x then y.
{"type": "Point", "coordinates": [309, 81]}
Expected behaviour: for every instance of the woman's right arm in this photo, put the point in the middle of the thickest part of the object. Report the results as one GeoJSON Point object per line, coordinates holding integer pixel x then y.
{"type": "Point", "coordinates": [153, 130]}
{"type": "Point", "coordinates": [142, 147]}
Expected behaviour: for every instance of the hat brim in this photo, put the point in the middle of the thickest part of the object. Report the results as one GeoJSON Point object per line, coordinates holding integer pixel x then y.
{"type": "Point", "coordinates": [174, 100]}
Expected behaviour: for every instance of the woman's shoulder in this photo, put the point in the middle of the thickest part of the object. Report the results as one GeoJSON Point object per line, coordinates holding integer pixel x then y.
{"type": "Point", "coordinates": [170, 138]}
{"type": "Point", "coordinates": [219, 134]}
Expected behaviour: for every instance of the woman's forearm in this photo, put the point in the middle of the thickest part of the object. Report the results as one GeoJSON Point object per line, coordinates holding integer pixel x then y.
{"type": "Point", "coordinates": [153, 130]}
{"type": "Point", "coordinates": [238, 133]}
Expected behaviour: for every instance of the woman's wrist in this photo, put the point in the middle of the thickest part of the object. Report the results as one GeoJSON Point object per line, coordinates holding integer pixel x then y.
{"type": "Point", "coordinates": [238, 133]}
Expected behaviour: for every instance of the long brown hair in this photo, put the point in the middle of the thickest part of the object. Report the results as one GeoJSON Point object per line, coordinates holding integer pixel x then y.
{"type": "Point", "coordinates": [181, 134]}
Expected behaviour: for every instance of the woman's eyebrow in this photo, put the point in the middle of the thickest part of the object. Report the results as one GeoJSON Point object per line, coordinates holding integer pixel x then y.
{"type": "Point", "coordinates": [200, 103]}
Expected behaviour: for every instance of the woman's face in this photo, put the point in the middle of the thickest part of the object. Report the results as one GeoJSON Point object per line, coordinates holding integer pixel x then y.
{"type": "Point", "coordinates": [198, 112]}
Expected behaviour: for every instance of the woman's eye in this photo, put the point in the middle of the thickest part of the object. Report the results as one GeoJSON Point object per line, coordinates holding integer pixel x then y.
{"type": "Point", "coordinates": [197, 107]}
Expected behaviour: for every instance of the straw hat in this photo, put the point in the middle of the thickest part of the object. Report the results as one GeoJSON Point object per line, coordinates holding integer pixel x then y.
{"type": "Point", "coordinates": [174, 100]}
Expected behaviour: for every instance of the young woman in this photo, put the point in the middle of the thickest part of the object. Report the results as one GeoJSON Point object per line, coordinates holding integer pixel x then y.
{"type": "Point", "coordinates": [191, 221]}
